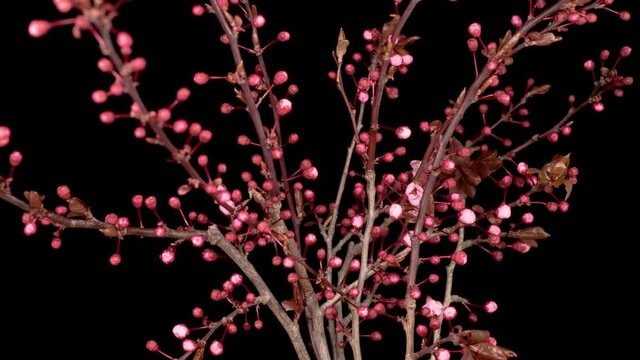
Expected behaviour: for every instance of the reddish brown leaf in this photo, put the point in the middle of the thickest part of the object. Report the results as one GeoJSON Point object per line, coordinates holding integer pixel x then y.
{"type": "Point", "coordinates": [34, 199]}
{"type": "Point", "coordinates": [538, 90]}
{"type": "Point", "coordinates": [486, 164]}
{"type": "Point", "coordinates": [486, 351]}
{"type": "Point", "coordinates": [530, 233]}
{"type": "Point", "coordinates": [341, 47]}
{"type": "Point", "coordinates": [77, 208]}
{"type": "Point", "coordinates": [110, 232]}
{"type": "Point", "coordinates": [470, 337]}
{"type": "Point", "coordinates": [554, 172]}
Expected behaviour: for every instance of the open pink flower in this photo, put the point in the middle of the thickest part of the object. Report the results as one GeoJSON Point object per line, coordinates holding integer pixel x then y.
{"type": "Point", "coordinates": [414, 194]}
{"type": "Point", "coordinates": [435, 307]}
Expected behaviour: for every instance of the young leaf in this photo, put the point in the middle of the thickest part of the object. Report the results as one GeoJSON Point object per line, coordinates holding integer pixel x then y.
{"type": "Point", "coordinates": [341, 47]}
{"type": "Point", "coordinates": [530, 233]}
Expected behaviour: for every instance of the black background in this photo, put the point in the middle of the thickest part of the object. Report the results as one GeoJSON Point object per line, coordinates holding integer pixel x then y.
{"type": "Point", "coordinates": [563, 300]}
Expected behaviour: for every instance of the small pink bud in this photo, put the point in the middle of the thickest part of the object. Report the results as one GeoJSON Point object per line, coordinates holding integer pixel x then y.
{"type": "Point", "coordinates": [443, 354]}
{"type": "Point", "coordinates": [335, 262]}
{"type": "Point", "coordinates": [395, 211]}
{"type": "Point", "coordinates": [138, 64]}
{"type": "Point", "coordinates": [472, 44]}
{"type": "Point", "coordinates": [122, 222]}
{"type": "Point", "coordinates": [99, 96]}
{"type": "Point", "coordinates": [503, 211]}
{"type": "Point", "coordinates": [236, 279]}
{"type": "Point", "coordinates": [475, 30]}
{"type": "Point", "coordinates": [490, 307]}
{"type": "Point", "coordinates": [310, 173]}
{"type": "Point", "coordinates": [523, 168]}
{"type": "Point", "coordinates": [459, 257]}
{"type": "Point", "coordinates": [15, 158]}
{"type": "Point", "coordinates": [124, 40]}
{"type": "Point", "coordinates": [598, 107]}
{"type": "Point", "coordinates": [280, 77]}
{"type": "Point", "coordinates": [467, 217]}
{"type": "Point", "coordinates": [115, 259]}
{"type": "Point", "coordinates": [521, 247]}
{"type": "Point", "coordinates": [516, 21]}
{"type": "Point", "coordinates": [403, 132]}
{"type": "Point", "coordinates": [217, 348]}
{"type": "Point", "coordinates": [38, 28]}
{"type": "Point", "coordinates": [589, 65]}
{"type": "Point", "coordinates": [259, 21]}
{"type": "Point", "coordinates": [201, 78]}
{"type": "Point", "coordinates": [284, 107]}
{"type": "Point", "coordinates": [56, 243]}
{"type": "Point", "coordinates": [284, 36]}
{"type": "Point", "coordinates": [5, 135]}
{"type": "Point", "coordinates": [449, 312]}
{"type": "Point", "coordinates": [189, 345]}
{"type": "Point", "coordinates": [197, 10]}
{"type": "Point", "coordinates": [152, 346]}
{"type": "Point", "coordinates": [396, 60]}
{"type": "Point", "coordinates": [30, 228]}
{"type": "Point", "coordinates": [168, 256]}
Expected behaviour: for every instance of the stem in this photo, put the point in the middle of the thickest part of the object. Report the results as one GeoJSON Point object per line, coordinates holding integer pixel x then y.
{"type": "Point", "coordinates": [216, 238]}
{"type": "Point", "coordinates": [449, 284]}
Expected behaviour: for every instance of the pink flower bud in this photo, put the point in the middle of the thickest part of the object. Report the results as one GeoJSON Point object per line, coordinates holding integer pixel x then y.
{"type": "Point", "coordinates": [284, 36]}
{"type": "Point", "coordinates": [38, 28]}
{"type": "Point", "coordinates": [152, 346]}
{"type": "Point", "coordinates": [403, 132]}
{"type": "Point", "coordinates": [395, 211]}
{"type": "Point", "coordinates": [335, 262]}
{"type": "Point", "coordinates": [259, 21]}
{"type": "Point", "coordinates": [503, 211]}
{"type": "Point", "coordinates": [280, 77]}
{"type": "Point", "coordinates": [475, 30]}
{"type": "Point", "coordinates": [459, 257]}
{"type": "Point", "coordinates": [217, 348]}
{"type": "Point", "coordinates": [516, 21]}
{"type": "Point", "coordinates": [284, 107]}
{"type": "Point", "coordinates": [201, 78]}
{"type": "Point", "coordinates": [490, 307]}
{"type": "Point", "coordinates": [449, 313]}
{"type": "Point", "coordinates": [467, 217]}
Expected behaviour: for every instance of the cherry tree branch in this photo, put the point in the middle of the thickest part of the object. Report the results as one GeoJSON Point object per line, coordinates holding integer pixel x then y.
{"type": "Point", "coordinates": [213, 236]}
{"type": "Point", "coordinates": [384, 50]}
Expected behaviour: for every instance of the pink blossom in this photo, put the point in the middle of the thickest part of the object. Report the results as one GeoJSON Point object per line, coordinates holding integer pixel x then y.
{"type": "Point", "coordinates": [459, 257]}
{"type": "Point", "coordinates": [284, 107]}
{"type": "Point", "coordinates": [490, 307]}
{"type": "Point", "coordinates": [435, 307]}
{"type": "Point", "coordinates": [467, 217]}
{"type": "Point", "coordinates": [503, 211]}
{"type": "Point", "coordinates": [403, 132]}
{"type": "Point", "coordinates": [415, 165]}
{"type": "Point", "coordinates": [180, 331]}
{"type": "Point", "coordinates": [414, 194]}
{"type": "Point", "coordinates": [189, 345]}
{"type": "Point", "coordinates": [450, 312]}
{"type": "Point", "coordinates": [217, 348]}
{"type": "Point", "coordinates": [357, 222]}
{"type": "Point", "coordinates": [443, 354]}
{"type": "Point", "coordinates": [5, 135]}
{"type": "Point", "coordinates": [395, 211]}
